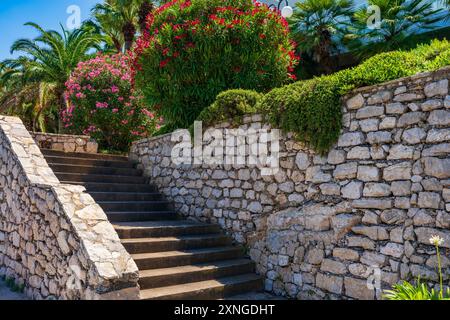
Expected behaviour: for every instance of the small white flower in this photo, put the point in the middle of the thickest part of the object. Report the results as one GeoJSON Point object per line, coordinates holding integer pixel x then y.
{"type": "Point", "coordinates": [436, 240]}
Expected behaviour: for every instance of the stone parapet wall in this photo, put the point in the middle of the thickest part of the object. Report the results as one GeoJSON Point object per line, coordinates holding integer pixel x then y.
{"type": "Point", "coordinates": [54, 239]}
{"type": "Point", "coordinates": [65, 142]}
{"type": "Point", "coordinates": [325, 226]}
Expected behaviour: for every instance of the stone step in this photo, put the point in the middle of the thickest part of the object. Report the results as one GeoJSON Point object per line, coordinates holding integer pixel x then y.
{"type": "Point", "coordinates": [68, 168]}
{"type": "Point", "coordinates": [115, 179]}
{"type": "Point", "coordinates": [177, 259]}
{"type": "Point", "coordinates": [126, 196]}
{"type": "Point", "coordinates": [96, 156]}
{"type": "Point", "coordinates": [112, 187]}
{"type": "Point", "coordinates": [206, 290]}
{"type": "Point", "coordinates": [147, 229]}
{"type": "Point", "coordinates": [135, 206]}
{"type": "Point", "coordinates": [193, 273]}
{"type": "Point", "coordinates": [148, 245]}
{"type": "Point", "coordinates": [89, 162]}
{"type": "Point", "coordinates": [168, 259]}
{"type": "Point", "coordinates": [141, 216]}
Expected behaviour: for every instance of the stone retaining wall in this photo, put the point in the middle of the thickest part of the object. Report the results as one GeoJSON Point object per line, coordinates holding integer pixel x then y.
{"type": "Point", "coordinates": [54, 239]}
{"type": "Point", "coordinates": [65, 142]}
{"type": "Point", "coordinates": [323, 226]}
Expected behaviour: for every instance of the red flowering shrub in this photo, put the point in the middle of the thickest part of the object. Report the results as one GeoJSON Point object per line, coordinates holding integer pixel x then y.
{"type": "Point", "coordinates": [103, 104]}
{"type": "Point", "coordinates": [194, 49]}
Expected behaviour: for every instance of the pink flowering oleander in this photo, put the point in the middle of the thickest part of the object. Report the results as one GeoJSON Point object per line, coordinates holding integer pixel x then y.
{"type": "Point", "coordinates": [103, 104]}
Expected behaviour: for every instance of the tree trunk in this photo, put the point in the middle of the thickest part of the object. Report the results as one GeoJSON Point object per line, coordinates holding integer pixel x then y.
{"type": "Point", "coordinates": [117, 44]}
{"type": "Point", "coordinates": [129, 31]}
{"type": "Point", "coordinates": [63, 106]}
{"type": "Point", "coordinates": [322, 52]}
{"type": "Point", "coordinates": [145, 9]}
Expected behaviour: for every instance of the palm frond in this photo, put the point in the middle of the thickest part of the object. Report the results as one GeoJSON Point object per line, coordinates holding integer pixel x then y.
{"type": "Point", "coordinates": [38, 75]}
{"type": "Point", "coordinates": [400, 19]}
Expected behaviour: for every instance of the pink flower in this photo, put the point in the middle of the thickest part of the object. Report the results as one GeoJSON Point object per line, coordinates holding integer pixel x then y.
{"type": "Point", "coordinates": [114, 89]}
{"type": "Point", "coordinates": [101, 105]}
{"type": "Point", "coordinates": [115, 110]}
{"type": "Point", "coordinates": [148, 113]}
{"type": "Point", "coordinates": [90, 129]}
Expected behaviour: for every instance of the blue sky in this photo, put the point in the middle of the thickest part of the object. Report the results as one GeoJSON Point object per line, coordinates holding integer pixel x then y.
{"type": "Point", "coordinates": [47, 13]}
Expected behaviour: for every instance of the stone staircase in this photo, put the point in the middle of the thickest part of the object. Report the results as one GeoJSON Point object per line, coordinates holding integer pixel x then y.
{"type": "Point", "coordinates": [177, 259]}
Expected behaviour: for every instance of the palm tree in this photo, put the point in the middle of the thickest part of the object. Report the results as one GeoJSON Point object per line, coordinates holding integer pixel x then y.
{"type": "Point", "coordinates": [124, 17]}
{"type": "Point", "coordinates": [45, 64]}
{"type": "Point", "coordinates": [33, 102]}
{"type": "Point", "coordinates": [399, 20]}
{"type": "Point", "coordinates": [109, 26]}
{"type": "Point", "coordinates": [145, 9]}
{"type": "Point", "coordinates": [317, 26]}
{"type": "Point", "coordinates": [446, 3]}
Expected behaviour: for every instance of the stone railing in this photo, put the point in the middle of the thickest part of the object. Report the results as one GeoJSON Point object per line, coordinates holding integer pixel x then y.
{"type": "Point", "coordinates": [323, 226]}
{"type": "Point", "coordinates": [65, 142]}
{"type": "Point", "coordinates": [54, 239]}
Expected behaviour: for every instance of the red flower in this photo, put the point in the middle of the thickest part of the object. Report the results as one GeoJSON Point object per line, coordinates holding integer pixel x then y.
{"type": "Point", "coordinates": [262, 36]}
{"type": "Point", "coordinates": [194, 22]}
{"type": "Point", "coordinates": [163, 63]}
{"type": "Point", "coordinates": [292, 55]}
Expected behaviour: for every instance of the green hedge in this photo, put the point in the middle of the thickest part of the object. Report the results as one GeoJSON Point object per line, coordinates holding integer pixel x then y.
{"type": "Point", "coordinates": [230, 105]}
{"type": "Point", "coordinates": [396, 64]}
{"type": "Point", "coordinates": [312, 109]}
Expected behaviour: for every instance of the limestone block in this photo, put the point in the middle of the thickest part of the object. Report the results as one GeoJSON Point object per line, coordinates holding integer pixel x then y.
{"type": "Point", "coordinates": [346, 254]}
{"type": "Point", "coordinates": [329, 283]}
{"type": "Point", "coordinates": [355, 102]}
{"type": "Point", "coordinates": [401, 171]}
{"type": "Point", "coordinates": [351, 139]}
{"type": "Point", "coordinates": [333, 266]}
{"type": "Point", "coordinates": [358, 289]}
{"type": "Point", "coordinates": [369, 112]}
{"type": "Point", "coordinates": [439, 118]}
{"type": "Point", "coordinates": [393, 249]}
{"type": "Point", "coordinates": [368, 173]}
{"type": "Point", "coordinates": [439, 88]}
{"type": "Point", "coordinates": [414, 135]}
